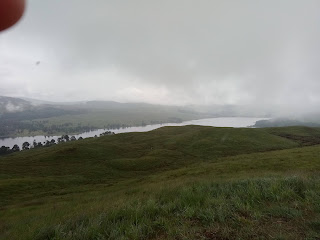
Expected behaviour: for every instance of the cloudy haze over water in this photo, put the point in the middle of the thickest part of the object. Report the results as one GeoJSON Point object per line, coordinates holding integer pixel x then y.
{"type": "Point", "coordinates": [169, 52]}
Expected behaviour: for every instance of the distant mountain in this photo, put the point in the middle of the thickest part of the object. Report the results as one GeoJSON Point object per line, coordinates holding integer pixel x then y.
{"type": "Point", "coordinates": [286, 122]}
{"type": "Point", "coordinates": [29, 116]}
{"type": "Point", "coordinates": [25, 116]}
{"type": "Point", "coordinates": [103, 105]}
{"type": "Point", "coordinates": [229, 110]}
{"type": "Point", "coordinates": [37, 102]}
{"type": "Point", "coordinates": [9, 104]}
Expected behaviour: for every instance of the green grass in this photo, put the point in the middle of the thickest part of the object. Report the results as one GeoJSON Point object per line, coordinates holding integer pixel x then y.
{"type": "Point", "coordinates": [171, 183]}
{"type": "Point", "coordinates": [248, 209]}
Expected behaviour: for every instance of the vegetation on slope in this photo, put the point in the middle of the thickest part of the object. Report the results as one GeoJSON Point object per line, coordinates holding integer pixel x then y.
{"type": "Point", "coordinates": [171, 183]}
{"type": "Point", "coordinates": [21, 118]}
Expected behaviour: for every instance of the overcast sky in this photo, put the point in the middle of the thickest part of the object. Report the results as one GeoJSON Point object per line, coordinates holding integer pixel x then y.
{"type": "Point", "coordinates": [169, 51]}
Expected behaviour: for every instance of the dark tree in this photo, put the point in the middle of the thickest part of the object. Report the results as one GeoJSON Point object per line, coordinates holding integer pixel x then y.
{"type": "Point", "coordinates": [15, 148]}
{"type": "Point", "coordinates": [66, 137]}
{"type": "Point", "coordinates": [25, 146]}
{"type": "Point", "coordinates": [73, 138]}
{"type": "Point", "coordinates": [107, 133]}
{"type": "Point", "coordinates": [4, 150]}
{"type": "Point", "coordinates": [53, 141]}
{"type": "Point", "coordinates": [80, 138]}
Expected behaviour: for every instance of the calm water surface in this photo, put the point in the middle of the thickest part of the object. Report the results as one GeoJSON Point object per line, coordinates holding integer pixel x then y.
{"type": "Point", "coordinates": [215, 122]}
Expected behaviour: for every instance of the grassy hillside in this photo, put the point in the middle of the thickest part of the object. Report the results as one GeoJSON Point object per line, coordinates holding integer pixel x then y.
{"type": "Point", "coordinates": [171, 183]}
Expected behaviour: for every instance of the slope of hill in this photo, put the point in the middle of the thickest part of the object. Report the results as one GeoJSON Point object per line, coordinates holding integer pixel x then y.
{"type": "Point", "coordinates": [171, 183]}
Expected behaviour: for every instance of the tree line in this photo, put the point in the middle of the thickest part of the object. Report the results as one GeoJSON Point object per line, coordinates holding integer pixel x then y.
{"type": "Point", "coordinates": [26, 145]}
{"type": "Point", "coordinates": [8, 128]}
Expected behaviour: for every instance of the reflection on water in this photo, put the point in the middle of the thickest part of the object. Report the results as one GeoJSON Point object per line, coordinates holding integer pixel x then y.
{"type": "Point", "coordinates": [215, 122]}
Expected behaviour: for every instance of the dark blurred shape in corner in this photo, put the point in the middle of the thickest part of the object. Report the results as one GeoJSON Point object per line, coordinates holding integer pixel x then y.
{"type": "Point", "coordinates": [10, 12]}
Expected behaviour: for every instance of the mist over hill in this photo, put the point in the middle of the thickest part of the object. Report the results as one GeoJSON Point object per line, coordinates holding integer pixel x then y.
{"type": "Point", "coordinates": [9, 105]}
